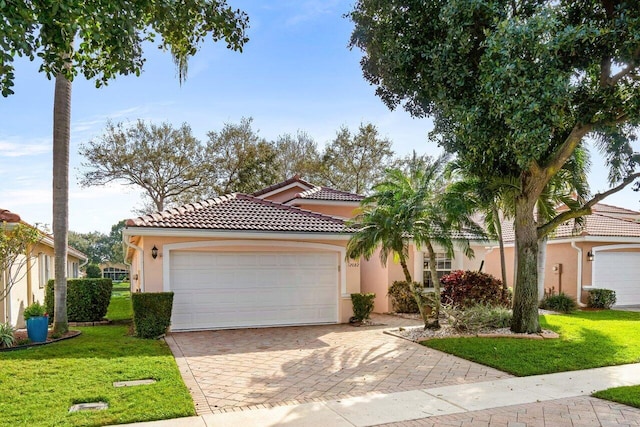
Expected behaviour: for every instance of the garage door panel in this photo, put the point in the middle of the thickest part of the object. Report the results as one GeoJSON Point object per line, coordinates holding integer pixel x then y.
{"type": "Point", "coordinates": [619, 271]}
{"type": "Point", "coordinates": [228, 290]}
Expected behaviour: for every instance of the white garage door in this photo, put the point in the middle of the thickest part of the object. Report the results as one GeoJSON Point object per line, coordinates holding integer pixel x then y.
{"type": "Point", "coordinates": [619, 271]}
{"type": "Point", "coordinates": [240, 289]}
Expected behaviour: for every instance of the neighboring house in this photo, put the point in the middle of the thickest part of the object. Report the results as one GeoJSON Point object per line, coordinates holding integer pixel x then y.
{"type": "Point", "coordinates": [276, 257]}
{"type": "Point", "coordinates": [604, 253]}
{"type": "Point", "coordinates": [36, 270]}
{"type": "Point", "coordinates": [115, 271]}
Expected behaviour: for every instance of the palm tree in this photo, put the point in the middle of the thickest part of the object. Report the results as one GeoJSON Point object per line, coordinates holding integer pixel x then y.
{"type": "Point", "coordinates": [413, 206]}
{"type": "Point", "coordinates": [495, 199]}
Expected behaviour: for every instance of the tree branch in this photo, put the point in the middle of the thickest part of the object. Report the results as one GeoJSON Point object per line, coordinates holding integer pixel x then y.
{"type": "Point", "coordinates": [585, 209]}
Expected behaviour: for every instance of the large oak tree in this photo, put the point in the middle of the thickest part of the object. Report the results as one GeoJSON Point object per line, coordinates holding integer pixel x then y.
{"type": "Point", "coordinates": [514, 88]}
{"type": "Point", "coordinates": [100, 40]}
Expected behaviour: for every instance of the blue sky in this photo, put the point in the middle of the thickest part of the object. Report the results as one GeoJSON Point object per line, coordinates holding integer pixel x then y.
{"type": "Point", "coordinates": [295, 73]}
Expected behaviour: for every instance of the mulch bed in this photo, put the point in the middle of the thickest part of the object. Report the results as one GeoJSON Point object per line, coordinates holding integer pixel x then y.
{"type": "Point", "coordinates": [21, 337]}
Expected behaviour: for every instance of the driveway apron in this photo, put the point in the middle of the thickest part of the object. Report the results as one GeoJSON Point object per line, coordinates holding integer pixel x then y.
{"type": "Point", "coordinates": [260, 368]}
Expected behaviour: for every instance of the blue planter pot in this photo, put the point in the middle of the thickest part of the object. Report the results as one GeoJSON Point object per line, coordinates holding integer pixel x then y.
{"type": "Point", "coordinates": [37, 328]}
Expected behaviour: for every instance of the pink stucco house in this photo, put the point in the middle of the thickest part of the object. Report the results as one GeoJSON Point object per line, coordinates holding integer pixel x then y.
{"type": "Point", "coordinates": [277, 257]}
{"type": "Point", "coordinates": [602, 253]}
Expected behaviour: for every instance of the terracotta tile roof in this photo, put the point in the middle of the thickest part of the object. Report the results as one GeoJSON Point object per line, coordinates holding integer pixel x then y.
{"type": "Point", "coordinates": [8, 216]}
{"type": "Point", "coordinates": [615, 211]}
{"type": "Point", "coordinates": [294, 179]}
{"type": "Point", "coordinates": [330, 194]}
{"type": "Point", "coordinates": [241, 212]}
{"type": "Point", "coordinates": [605, 221]}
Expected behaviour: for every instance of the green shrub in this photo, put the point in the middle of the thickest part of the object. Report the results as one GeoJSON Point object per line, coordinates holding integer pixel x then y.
{"type": "Point", "coordinates": [34, 310]}
{"type": "Point", "coordinates": [402, 300]}
{"type": "Point", "coordinates": [7, 335]}
{"type": "Point", "coordinates": [93, 271]}
{"type": "Point", "coordinates": [362, 305]}
{"type": "Point", "coordinates": [480, 316]}
{"type": "Point", "coordinates": [601, 298]}
{"type": "Point", "coordinates": [469, 288]}
{"type": "Point", "coordinates": [561, 302]}
{"type": "Point", "coordinates": [151, 313]}
{"type": "Point", "coordinates": [87, 299]}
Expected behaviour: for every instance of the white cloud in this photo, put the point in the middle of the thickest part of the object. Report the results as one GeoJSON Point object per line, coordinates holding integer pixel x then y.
{"type": "Point", "coordinates": [17, 148]}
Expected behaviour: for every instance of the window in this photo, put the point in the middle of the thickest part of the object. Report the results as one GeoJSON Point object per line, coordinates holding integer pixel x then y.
{"type": "Point", "coordinates": [115, 274]}
{"type": "Point", "coordinates": [443, 267]}
{"type": "Point", "coordinates": [44, 267]}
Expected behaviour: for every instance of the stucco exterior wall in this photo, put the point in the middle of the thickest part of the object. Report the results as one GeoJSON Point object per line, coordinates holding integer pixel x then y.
{"type": "Point", "coordinates": [30, 284]}
{"type": "Point", "coordinates": [333, 210]}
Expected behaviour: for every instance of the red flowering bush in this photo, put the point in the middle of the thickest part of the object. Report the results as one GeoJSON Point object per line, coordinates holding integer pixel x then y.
{"type": "Point", "coordinates": [468, 288]}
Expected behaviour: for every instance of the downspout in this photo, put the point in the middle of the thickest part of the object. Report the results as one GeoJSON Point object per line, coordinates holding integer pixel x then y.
{"type": "Point", "coordinates": [29, 281]}
{"type": "Point", "coordinates": [139, 249]}
{"type": "Point", "coordinates": [579, 278]}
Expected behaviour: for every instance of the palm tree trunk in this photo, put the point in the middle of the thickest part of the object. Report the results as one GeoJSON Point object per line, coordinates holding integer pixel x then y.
{"type": "Point", "coordinates": [61, 141]}
{"type": "Point", "coordinates": [416, 295]}
{"type": "Point", "coordinates": [436, 286]}
{"type": "Point", "coordinates": [503, 263]}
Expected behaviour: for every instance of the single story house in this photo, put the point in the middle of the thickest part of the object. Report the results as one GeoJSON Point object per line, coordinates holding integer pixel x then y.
{"type": "Point", "coordinates": [30, 274]}
{"type": "Point", "coordinates": [275, 257]}
{"type": "Point", "coordinates": [604, 252]}
{"type": "Point", "coordinates": [115, 271]}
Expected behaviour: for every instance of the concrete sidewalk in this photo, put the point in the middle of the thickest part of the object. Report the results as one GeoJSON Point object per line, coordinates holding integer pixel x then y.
{"type": "Point", "coordinates": [379, 408]}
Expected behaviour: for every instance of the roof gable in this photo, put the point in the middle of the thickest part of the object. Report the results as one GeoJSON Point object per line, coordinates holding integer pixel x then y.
{"type": "Point", "coordinates": [327, 194]}
{"type": "Point", "coordinates": [293, 182]}
{"type": "Point", "coordinates": [241, 212]}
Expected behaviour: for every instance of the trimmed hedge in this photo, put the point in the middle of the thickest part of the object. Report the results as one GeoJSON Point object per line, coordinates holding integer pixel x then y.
{"type": "Point", "coordinates": [601, 298]}
{"type": "Point", "coordinates": [468, 288]}
{"type": "Point", "coordinates": [402, 300]}
{"type": "Point", "coordinates": [362, 305]}
{"type": "Point", "coordinates": [151, 313]}
{"type": "Point", "coordinates": [87, 299]}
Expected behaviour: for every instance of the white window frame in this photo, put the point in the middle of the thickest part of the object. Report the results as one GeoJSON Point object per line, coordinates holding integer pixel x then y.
{"type": "Point", "coordinates": [44, 269]}
{"type": "Point", "coordinates": [441, 257]}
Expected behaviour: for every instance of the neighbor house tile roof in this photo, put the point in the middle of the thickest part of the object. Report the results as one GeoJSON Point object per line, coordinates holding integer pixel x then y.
{"type": "Point", "coordinates": [330, 194]}
{"type": "Point", "coordinates": [244, 213]}
{"type": "Point", "coordinates": [293, 180]}
{"type": "Point", "coordinates": [8, 216]}
{"type": "Point", "coordinates": [603, 222]}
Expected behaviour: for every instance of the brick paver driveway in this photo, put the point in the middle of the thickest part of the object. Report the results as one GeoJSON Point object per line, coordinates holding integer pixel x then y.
{"type": "Point", "coordinates": [231, 369]}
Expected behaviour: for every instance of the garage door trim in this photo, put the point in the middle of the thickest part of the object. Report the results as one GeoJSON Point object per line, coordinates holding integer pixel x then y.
{"type": "Point", "coordinates": [167, 249]}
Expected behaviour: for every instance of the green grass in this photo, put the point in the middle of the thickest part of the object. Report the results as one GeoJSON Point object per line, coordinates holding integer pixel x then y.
{"type": "Point", "coordinates": [38, 385]}
{"type": "Point", "coordinates": [626, 395]}
{"type": "Point", "coordinates": [587, 340]}
{"type": "Point", "coordinates": [121, 289]}
{"type": "Point", "coordinates": [120, 309]}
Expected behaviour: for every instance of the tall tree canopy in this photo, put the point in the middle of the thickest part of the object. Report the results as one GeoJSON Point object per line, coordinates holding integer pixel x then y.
{"type": "Point", "coordinates": [100, 40]}
{"type": "Point", "coordinates": [356, 161]}
{"type": "Point", "coordinates": [163, 161]}
{"type": "Point", "coordinates": [513, 87]}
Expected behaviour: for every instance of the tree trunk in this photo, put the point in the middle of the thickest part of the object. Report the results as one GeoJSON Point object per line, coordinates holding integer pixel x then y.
{"type": "Point", "coordinates": [436, 286]}
{"type": "Point", "coordinates": [503, 263]}
{"type": "Point", "coordinates": [61, 140]}
{"type": "Point", "coordinates": [416, 295]}
{"type": "Point", "coordinates": [525, 299]}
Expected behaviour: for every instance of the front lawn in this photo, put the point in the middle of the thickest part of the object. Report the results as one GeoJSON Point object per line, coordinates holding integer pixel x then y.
{"type": "Point", "coordinates": [588, 339]}
{"type": "Point", "coordinates": [626, 395]}
{"type": "Point", "coordinates": [120, 309]}
{"type": "Point", "coordinates": [38, 385]}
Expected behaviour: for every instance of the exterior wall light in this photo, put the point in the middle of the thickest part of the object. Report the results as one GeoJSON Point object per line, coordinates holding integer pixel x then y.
{"type": "Point", "coordinates": [590, 256]}
{"type": "Point", "coordinates": [154, 252]}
